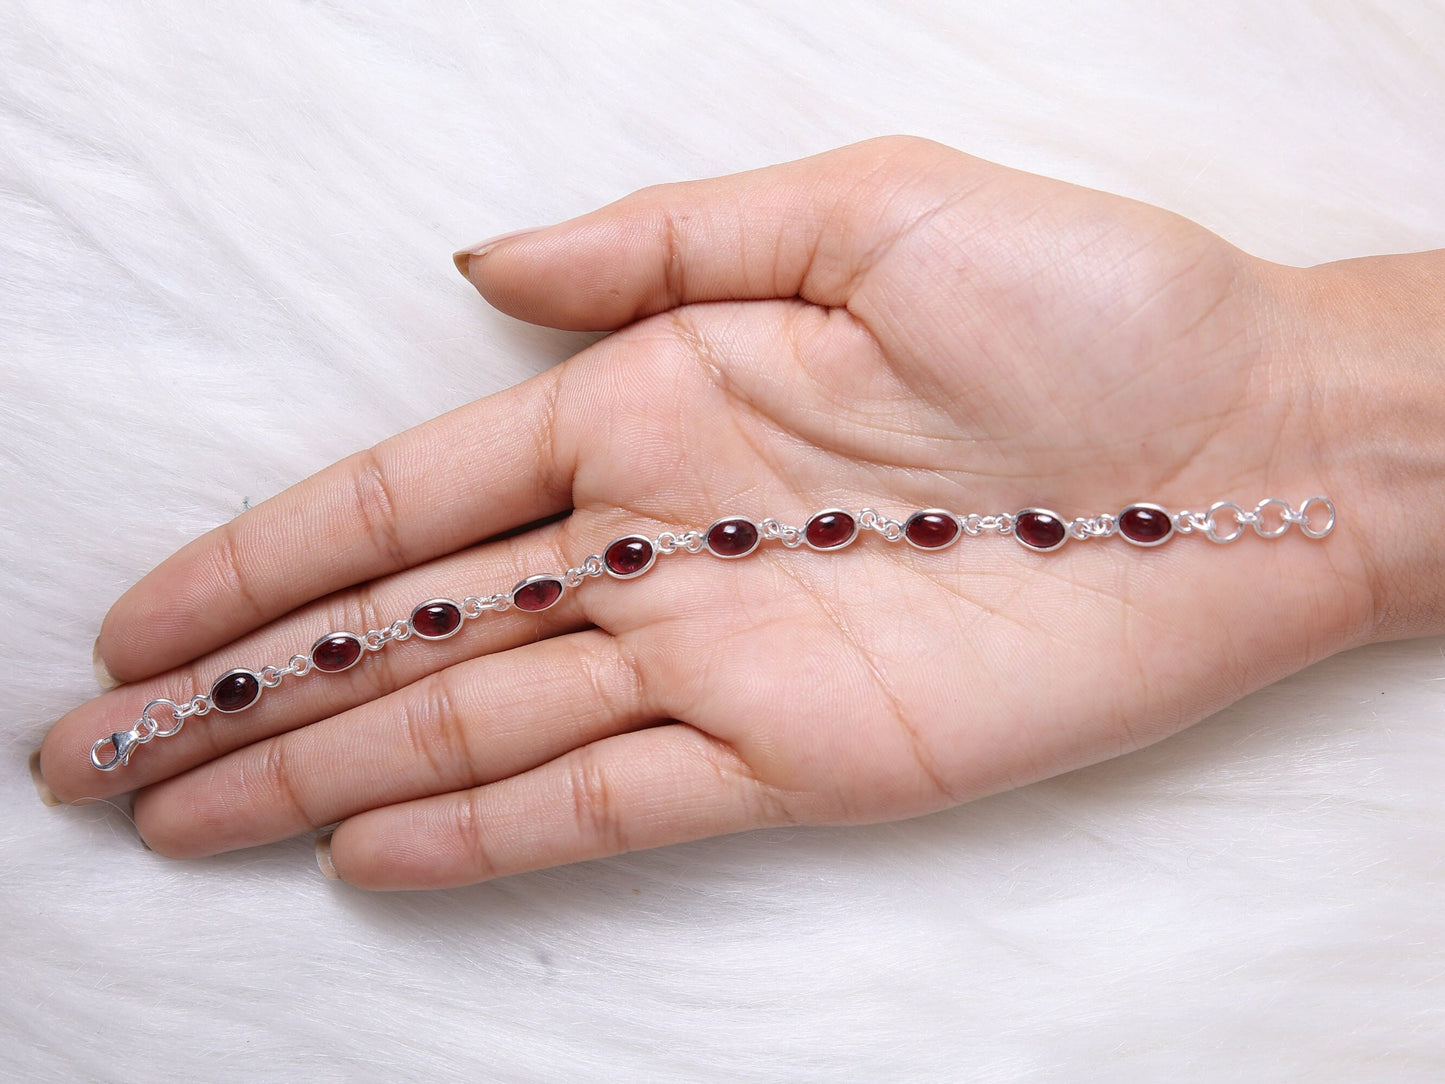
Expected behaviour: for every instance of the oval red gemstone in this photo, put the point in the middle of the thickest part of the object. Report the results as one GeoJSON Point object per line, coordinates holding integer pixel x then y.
{"type": "Point", "coordinates": [335, 653]}
{"type": "Point", "coordinates": [829, 530]}
{"type": "Point", "coordinates": [536, 595]}
{"type": "Point", "coordinates": [437, 619]}
{"type": "Point", "coordinates": [931, 530]}
{"type": "Point", "coordinates": [1039, 529]}
{"type": "Point", "coordinates": [235, 691]}
{"type": "Point", "coordinates": [1144, 525]}
{"type": "Point", "coordinates": [628, 556]}
{"type": "Point", "coordinates": [732, 537]}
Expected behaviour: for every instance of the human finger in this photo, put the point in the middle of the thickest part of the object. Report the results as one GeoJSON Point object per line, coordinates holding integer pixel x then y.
{"type": "Point", "coordinates": [478, 721]}
{"type": "Point", "coordinates": [809, 229]}
{"type": "Point", "coordinates": [483, 469]}
{"type": "Point", "coordinates": [649, 788]}
{"type": "Point", "coordinates": [65, 761]}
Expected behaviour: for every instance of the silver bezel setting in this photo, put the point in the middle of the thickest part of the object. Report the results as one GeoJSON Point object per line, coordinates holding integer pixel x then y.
{"type": "Point", "coordinates": [946, 514]}
{"type": "Point", "coordinates": [211, 694]}
{"type": "Point", "coordinates": [360, 651]}
{"type": "Point", "coordinates": [461, 618]}
{"type": "Point", "coordinates": [707, 537]}
{"type": "Point", "coordinates": [852, 518]}
{"type": "Point", "coordinates": [1168, 518]}
{"type": "Point", "coordinates": [547, 577]}
{"type": "Point", "coordinates": [651, 558]}
{"type": "Point", "coordinates": [1043, 512]}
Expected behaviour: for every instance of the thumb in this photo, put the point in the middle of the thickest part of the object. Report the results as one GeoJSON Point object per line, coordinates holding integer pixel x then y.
{"type": "Point", "coordinates": [810, 229]}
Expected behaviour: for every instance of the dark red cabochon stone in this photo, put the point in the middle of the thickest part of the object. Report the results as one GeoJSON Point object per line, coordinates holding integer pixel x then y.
{"type": "Point", "coordinates": [829, 530]}
{"type": "Point", "coordinates": [628, 556]}
{"type": "Point", "coordinates": [1039, 529]}
{"type": "Point", "coordinates": [538, 595]}
{"type": "Point", "coordinates": [931, 530]}
{"type": "Point", "coordinates": [235, 691]}
{"type": "Point", "coordinates": [1144, 524]}
{"type": "Point", "coordinates": [732, 537]}
{"type": "Point", "coordinates": [436, 619]}
{"type": "Point", "coordinates": [336, 653]}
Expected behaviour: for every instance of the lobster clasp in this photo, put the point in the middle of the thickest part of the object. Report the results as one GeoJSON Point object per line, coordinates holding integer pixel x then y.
{"type": "Point", "coordinates": [121, 744]}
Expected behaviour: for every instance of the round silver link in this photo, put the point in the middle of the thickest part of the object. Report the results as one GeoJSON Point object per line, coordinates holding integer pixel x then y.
{"type": "Point", "coordinates": [692, 541]}
{"type": "Point", "coordinates": [1304, 522]}
{"type": "Point", "coordinates": [300, 665]}
{"type": "Point", "coordinates": [1211, 529]}
{"type": "Point", "coordinates": [972, 524]}
{"type": "Point", "coordinates": [271, 676]}
{"type": "Point", "coordinates": [155, 730]}
{"type": "Point", "coordinates": [667, 542]}
{"type": "Point", "coordinates": [473, 607]}
{"type": "Point", "coordinates": [1258, 520]}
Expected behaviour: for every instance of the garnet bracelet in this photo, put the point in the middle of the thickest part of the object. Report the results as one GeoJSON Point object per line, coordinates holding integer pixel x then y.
{"type": "Point", "coordinates": [628, 557]}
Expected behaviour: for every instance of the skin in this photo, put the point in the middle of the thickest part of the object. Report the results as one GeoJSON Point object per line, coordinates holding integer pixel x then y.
{"type": "Point", "coordinates": [895, 325]}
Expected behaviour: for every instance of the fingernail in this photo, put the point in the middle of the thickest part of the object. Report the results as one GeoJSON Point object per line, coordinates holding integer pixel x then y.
{"type": "Point", "coordinates": [323, 855]}
{"type": "Point", "coordinates": [463, 256]}
{"type": "Point", "coordinates": [41, 787]}
{"type": "Point", "coordinates": [102, 675]}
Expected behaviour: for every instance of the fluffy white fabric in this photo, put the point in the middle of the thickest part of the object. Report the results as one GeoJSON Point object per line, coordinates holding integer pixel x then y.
{"type": "Point", "coordinates": [225, 233]}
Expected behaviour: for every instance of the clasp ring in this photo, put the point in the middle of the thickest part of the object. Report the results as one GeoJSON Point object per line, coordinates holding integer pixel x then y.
{"type": "Point", "coordinates": [1304, 521]}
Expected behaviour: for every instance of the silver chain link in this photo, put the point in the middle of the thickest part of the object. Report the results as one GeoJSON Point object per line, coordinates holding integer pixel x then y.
{"type": "Point", "coordinates": [870, 519]}
{"type": "Point", "coordinates": [774, 531]}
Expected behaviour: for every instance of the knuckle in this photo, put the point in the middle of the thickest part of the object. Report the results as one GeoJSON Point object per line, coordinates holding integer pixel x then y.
{"type": "Point", "coordinates": [674, 260]}
{"type": "Point", "coordinates": [470, 826]}
{"type": "Point", "coordinates": [375, 510]}
{"type": "Point", "coordinates": [436, 732]}
{"type": "Point", "coordinates": [762, 804]}
{"type": "Point", "coordinates": [615, 678]}
{"type": "Point", "coordinates": [594, 806]}
{"type": "Point", "coordinates": [278, 780]}
{"type": "Point", "coordinates": [232, 569]}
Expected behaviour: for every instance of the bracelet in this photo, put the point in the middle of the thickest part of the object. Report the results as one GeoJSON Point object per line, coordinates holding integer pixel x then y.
{"type": "Point", "coordinates": [626, 558]}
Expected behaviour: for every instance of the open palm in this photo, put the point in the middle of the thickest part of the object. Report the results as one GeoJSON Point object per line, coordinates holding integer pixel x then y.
{"type": "Point", "coordinates": [892, 326]}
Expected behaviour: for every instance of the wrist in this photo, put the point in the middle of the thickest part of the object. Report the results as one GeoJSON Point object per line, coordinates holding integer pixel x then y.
{"type": "Point", "coordinates": [1364, 349]}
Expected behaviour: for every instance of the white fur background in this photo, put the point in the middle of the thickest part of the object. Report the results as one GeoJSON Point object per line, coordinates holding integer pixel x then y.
{"type": "Point", "coordinates": [225, 237]}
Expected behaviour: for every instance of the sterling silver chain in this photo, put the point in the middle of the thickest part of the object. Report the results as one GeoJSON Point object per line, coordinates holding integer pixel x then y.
{"type": "Point", "coordinates": [931, 529]}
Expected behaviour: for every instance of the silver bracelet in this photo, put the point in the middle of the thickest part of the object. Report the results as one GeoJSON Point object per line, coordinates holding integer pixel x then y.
{"type": "Point", "coordinates": [732, 537]}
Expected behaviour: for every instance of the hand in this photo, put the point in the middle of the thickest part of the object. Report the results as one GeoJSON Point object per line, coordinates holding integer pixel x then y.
{"type": "Point", "coordinates": [893, 325]}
